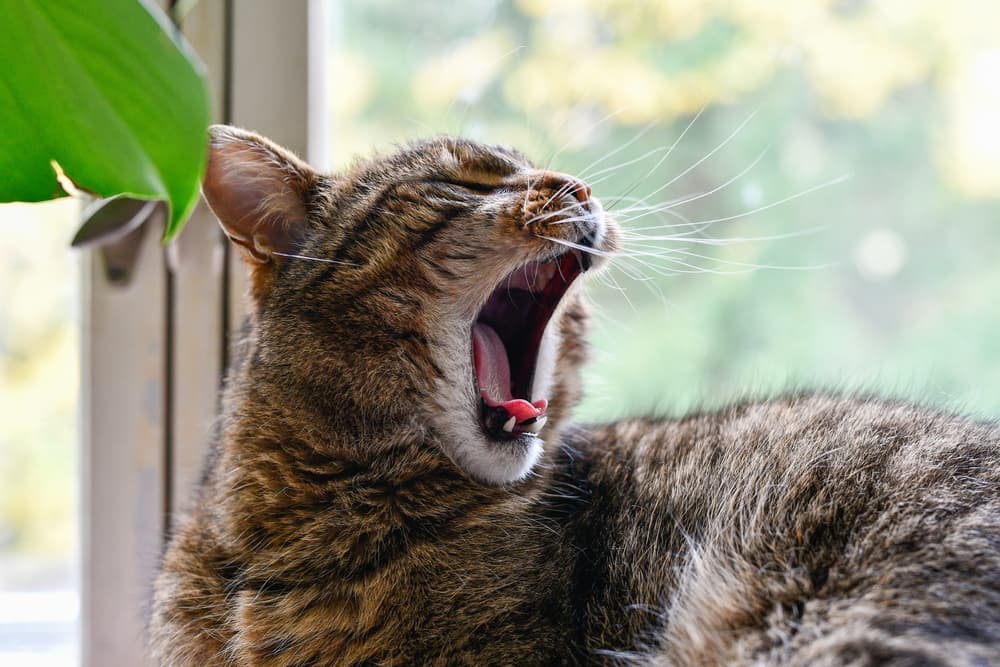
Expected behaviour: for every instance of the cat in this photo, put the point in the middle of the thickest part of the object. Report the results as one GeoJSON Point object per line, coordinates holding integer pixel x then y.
{"type": "Point", "coordinates": [396, 481]}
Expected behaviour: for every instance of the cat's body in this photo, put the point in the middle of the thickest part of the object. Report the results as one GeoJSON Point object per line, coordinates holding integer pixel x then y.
{"type": "Point", "coordinates": [367, 504]}
{"type": "Point", "coordinates": [805, 531]}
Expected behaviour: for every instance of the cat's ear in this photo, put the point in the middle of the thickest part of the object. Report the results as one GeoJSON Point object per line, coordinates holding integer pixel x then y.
{"type": "Point", "coordinates": [258, 191]}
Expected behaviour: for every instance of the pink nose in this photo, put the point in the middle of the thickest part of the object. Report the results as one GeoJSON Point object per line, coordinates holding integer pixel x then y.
{"type": "Point", "coordinates": [567, 184]}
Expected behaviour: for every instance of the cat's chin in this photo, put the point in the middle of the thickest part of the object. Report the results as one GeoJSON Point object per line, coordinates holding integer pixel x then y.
{"type": "Point", "coordinates": [492, 461]}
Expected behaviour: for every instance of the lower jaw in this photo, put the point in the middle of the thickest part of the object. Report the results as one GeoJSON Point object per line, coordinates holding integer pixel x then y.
{"type": "Point", "coordinates": [496, 423]}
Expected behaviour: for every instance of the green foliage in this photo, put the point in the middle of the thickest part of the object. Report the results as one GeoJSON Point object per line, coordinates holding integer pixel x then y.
{"type": "Point", "coordinates": [103, 90]}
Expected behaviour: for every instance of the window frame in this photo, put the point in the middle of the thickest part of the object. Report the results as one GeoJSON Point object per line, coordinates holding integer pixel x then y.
{"type": "Point", "coordinates": [154, 349]}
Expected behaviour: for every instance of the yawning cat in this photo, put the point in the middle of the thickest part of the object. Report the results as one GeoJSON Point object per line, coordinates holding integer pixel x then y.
{"type": "Point", "coordinates": [396, 483]}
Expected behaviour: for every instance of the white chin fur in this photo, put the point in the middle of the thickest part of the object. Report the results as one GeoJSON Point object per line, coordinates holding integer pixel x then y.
{"type": "Point", "coordinates": [493, 462]}
{"type": "Point", "coordinates": [484, 459]}
{"type": "Point", "coordinates": [481, 457]}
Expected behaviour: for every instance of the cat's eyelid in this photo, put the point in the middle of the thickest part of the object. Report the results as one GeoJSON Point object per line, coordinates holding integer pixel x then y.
{"type": "Point", "coordinates": [474, 185]}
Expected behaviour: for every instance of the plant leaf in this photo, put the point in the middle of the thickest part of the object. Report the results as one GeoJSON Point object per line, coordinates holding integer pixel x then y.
{"type": "Point", "coordinates": [102, 89]}
{"type": "Point", "coordinates": [107, 220]}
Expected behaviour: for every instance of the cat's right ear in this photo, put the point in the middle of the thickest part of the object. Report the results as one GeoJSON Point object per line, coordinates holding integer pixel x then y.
{"type": "Point", "coordinates": [258, 191]}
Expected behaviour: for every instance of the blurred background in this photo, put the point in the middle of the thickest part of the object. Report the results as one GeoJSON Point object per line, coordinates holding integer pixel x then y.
{"type": "Point", "coordinates": [810, 189]}
{"type": "Point", "coordinates": [884, 280]}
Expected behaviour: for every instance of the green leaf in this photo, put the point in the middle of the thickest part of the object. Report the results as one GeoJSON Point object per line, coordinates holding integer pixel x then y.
{"type": "Point", "coordinates": [103, 89]}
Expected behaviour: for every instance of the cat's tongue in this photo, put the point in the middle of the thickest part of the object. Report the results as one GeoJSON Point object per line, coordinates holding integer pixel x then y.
{"type": "Point", "coordinates": [493, 374]}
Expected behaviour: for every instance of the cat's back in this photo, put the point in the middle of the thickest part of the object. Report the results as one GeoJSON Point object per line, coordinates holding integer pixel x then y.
{"type": "Point", "coordinates": [798, 531]}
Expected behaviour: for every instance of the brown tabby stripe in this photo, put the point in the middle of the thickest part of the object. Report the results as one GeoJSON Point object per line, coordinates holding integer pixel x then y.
{"type": "Point", "coordinates": [343, 253]}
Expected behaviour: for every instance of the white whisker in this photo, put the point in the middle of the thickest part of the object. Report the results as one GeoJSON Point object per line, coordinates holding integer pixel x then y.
{"type": "Point", "coordinates": [577, 246]}
{"type": "Point", "coordinates": [627, 163]}
{"type": "Point", "coordinates": [662, 159]}
{"type": "Point", "coordinates": [585, 172]}
{"type": "Point", "coordinates": [723, 186]}
{"type": "Point", "coordinates": [624, 294]}
{"type": "Point", "coordinates": [314, 259]}
{"type": "Point", "coordinates": [712, 152]}
{"type": "Point", "coordinates": [754, 266]}
{"type": "Point", "coordinates": [728, 218]}
{"type": "Point", "coordinates": [686, 238]}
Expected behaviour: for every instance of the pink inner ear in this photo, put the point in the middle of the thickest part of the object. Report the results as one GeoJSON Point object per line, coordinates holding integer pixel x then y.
{"type": "Point", "coordinates": [256, 189]}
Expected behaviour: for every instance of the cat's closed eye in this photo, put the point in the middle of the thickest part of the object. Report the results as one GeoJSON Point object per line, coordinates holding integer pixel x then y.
{"type": "Point", "coordinates": [478, 187]}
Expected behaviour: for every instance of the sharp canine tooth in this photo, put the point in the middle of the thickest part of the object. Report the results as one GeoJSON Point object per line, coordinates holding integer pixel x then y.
{"type": "Point", "coordinates": [509, 424]}
{"type": "Point", "coordinates": [537, 425]}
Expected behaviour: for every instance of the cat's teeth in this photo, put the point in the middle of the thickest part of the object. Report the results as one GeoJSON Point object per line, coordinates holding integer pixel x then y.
{"type": "Point", "coordinates": [509, 424]}
{"type": "Point", "coordinates": [536, 426]}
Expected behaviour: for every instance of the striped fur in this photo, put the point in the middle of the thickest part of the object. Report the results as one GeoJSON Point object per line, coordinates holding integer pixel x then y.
{"type": "Point", "coordinates": [339, 524]}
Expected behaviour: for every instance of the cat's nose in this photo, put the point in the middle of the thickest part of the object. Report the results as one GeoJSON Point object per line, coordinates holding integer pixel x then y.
{"type": "Point", "coordinates": [566, 184]}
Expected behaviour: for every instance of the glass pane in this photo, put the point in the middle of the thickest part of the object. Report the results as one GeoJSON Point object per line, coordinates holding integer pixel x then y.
{"type": "Point", "coordinates": [39, 381]}
{"type": "Point", "coordinates": [718, 133]}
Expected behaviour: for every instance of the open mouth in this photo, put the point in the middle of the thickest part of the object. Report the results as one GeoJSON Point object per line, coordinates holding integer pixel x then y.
{"type": "Point", "coordinates": [506, 339]}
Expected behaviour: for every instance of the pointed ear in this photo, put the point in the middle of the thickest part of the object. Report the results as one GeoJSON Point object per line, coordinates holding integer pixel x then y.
{"type": "Point", "coordinates": [258, 191]}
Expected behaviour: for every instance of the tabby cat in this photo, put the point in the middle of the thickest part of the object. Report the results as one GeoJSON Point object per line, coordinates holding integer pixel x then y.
{"type": "Point", "coordinates": [396, 482]}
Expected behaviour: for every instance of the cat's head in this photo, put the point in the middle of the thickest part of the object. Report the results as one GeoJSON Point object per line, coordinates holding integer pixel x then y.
{"type": "Point", "coordinates": [437, 283]}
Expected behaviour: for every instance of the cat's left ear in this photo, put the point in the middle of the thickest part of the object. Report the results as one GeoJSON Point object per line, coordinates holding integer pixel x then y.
{"type": "Point", "coordinates": [258, 191]}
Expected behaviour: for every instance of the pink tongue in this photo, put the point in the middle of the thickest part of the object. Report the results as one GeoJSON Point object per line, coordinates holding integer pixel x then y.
{"type": "Point", "coordinates": [522, 411]}
{"type": "Point", "coordinates": [493, 373]}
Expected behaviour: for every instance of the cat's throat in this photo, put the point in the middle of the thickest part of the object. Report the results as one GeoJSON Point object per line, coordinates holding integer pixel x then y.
{"type": "Point", "coordinates": [514, 415]}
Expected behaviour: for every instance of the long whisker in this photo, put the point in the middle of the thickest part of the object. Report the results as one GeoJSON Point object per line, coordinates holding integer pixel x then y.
{"type": "Point", "coordinates": [678, 202]}
{"type": "Point", "coordinates": [619, 214]}
{"type": "Point", "coordinates": [577, 246]}
{"type": "Point", "coordinates": [591, 178]}
{"type": "Point", "coordinates": [624, 219]}
{"type": "Point", "coordinates": [627, 163]}
{"type": "Point", "coordinates": [585, 172]}
{"type": "Point", "coordinates": [673, 271]}
{"type": "Point", "coordinates": [663, 159]}
{"type": "Point", "coordinates": [641, 203]}
{"type": "Point", "coordinates": [624, 293]}
{"type": "Point", "coordinates": [557, 153]}
{"type": "Point", "coordinates": [597, 123]}
{"type": "Point", "coordinates": [693, 268]}
{"type": "Point", "coordinates": [785, 200]}
{"type": "Point", "coordinates": [314, 259]}
{"type": "Point", "coordinates": [751, 265]}
{"type": "Point", "coordinates": [712, 152]}
{"type": "Point", "coordinates": [725, 185]}
{"type": "Point", "coordinates": [630, 235]}
{"type": "Point", "coordinates": [567, 186]}
{"type": "Point", "coordinates": [542, 217]}
{"type": "Point", "coordinates": [645, 252]}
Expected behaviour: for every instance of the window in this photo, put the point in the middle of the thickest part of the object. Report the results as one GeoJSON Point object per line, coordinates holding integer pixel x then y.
{"type": "Point", "coordinates": [39, 390]}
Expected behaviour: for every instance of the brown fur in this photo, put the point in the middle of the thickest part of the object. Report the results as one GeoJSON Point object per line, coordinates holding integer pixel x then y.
{"type": "Point", "coordinates": [336, 525]}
